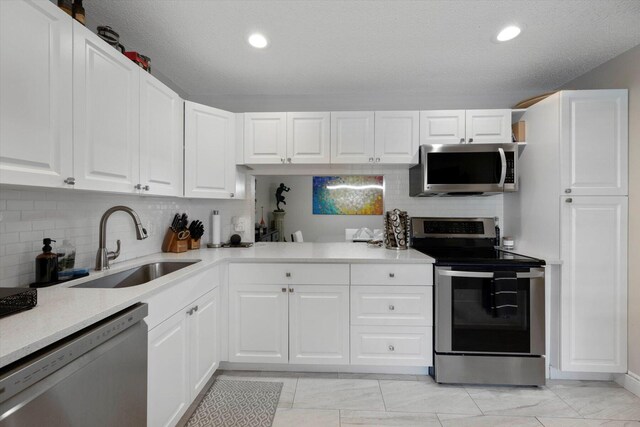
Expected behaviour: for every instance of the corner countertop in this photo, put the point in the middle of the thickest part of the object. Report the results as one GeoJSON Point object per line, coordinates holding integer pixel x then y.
{"type": "Point", "coordinates": [63, 310]}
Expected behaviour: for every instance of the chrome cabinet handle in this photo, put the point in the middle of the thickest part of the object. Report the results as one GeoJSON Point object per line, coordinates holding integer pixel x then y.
{"type": "Point", "coordinates": [370, 159]}
{"type": "Point", "coordinates": [568, 191]}
{"type": "Point", "coordinates": [281, 159]}
{"type": "Point", "coordinates": [70, 181]}
{"type": "Point", "coordinates": [290, 290]}
{"type": "Point", "coordinates": [377, 159]}
{"type": "Point", "coordinates": [288, 274]}
{"type": "Point", "coordinates": [195, 308]}
{"type": "Point", "coordinates": [461, 140]}
{"type": "Point", "coordinates": [470, 140]}
{"type": "Point", "coordinates": [232, 195]}
{"type": "Point", "coordinates": [190, 311]}
{"type": "Point", "coordinates": [284, 289]}
{"type": "Point", "coordinates": [391, 307]}
{"type": "Point", "coordinates": [138, 186]}
{"type": "Point", "coordinates": [146, 188]}
{"type": "Point", "coordinates": [391, 348]}
{"type": "Point", "coordinates": [569, 200]}
{"type": "Point", "coordinates": [288, 159]}
{"type": "Point", "coordinates": [392, 275]}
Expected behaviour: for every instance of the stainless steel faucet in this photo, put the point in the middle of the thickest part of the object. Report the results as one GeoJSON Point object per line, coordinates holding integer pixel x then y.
{"type": "Point", "coordinates": [103, 256]}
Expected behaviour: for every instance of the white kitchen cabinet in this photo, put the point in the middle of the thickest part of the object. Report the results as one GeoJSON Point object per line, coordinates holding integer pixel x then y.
{"type": "Point", "coordinates": [265, 138]}
{"type": "Point", "coordinates": [203, 336]}
{"type": "Point", "coordinates": [308, 137]}
{"type": "Point", "coordinates": [319, 324]}
{"type": "Point", "coordinates": [168, 388]}
{"type": "Point", "coordinates": [465, 126]}
{"type": "Point", "coordinates": [35, 102]}
{"type": "Point", "coordinates": [594, 284]}
{"type": "Point", "coordinates": [161, 138]}
{"type": "Point", "coordinates": [594, 153]}
{"type": "Point", "coordinates": [442, 127]}
{"type": "Point", "coordinates": [209, 152]}
{"type": "Point", "coordinates": [397, 136]}
{"type": "Point", "coordinates": [488, 126]}
{"type": "Point", "coordinates": [352, 137]}
{"type": "Point", "coordinates": [258, 323]}
{"type": "Point", "coordinates": [106, 95]}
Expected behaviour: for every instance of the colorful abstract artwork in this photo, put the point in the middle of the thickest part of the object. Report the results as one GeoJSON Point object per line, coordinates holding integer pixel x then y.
{"type": "Point", "coordinates": [348, 195]}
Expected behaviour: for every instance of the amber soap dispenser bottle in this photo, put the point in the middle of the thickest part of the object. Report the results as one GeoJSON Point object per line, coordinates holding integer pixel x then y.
{"type": "Point", "coordinates": [46, 264]}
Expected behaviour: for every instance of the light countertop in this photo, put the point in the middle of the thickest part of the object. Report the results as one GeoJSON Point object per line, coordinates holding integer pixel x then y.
{"type": "Point", "coordinates": [63, 310]}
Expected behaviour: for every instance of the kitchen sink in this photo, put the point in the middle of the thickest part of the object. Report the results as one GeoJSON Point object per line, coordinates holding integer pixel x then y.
{"type": "Point", "coordinates": [137, 275]}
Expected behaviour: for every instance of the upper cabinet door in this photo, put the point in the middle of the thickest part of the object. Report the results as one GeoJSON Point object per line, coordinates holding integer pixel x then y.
{"type": "Point", "coordinates": [106, 121]}
{"type": "Point", "coordinates": [594, 147]}
{"type": "Point", "coordinates": [265, 138]}
{"type": "Point", "coordinates": [209, 152]}
{"type": "Point", "coordinates": [488, 126]}
{"type": "Point", "coordinates": [161, 138]}
{"type": "Point", "coordinates": [308, 137]}
{"type": "Point", "coordinates": [352, 137]}
{"type": "Point", "coordinates": [35, 86]}
{"type": "Point", "coordinates": [397, 136]}
{"type": "Point", "coordinates": [442, 127]}
{"type": "Point", "coordinates": [594, 284]}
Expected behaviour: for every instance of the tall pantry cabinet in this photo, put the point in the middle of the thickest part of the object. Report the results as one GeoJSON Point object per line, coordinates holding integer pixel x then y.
{"type": "Point", "coordinates": [573, 206]}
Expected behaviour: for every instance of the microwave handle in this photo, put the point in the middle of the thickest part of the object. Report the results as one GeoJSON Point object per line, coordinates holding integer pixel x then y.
{"type": "Point", "coordinates": [487, 275]}
{"type": "Point", "coordinates": [503, 172]}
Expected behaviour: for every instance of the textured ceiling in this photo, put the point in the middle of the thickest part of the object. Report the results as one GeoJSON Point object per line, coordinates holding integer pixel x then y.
{"type": "Point", "coordinates": [370, 54]}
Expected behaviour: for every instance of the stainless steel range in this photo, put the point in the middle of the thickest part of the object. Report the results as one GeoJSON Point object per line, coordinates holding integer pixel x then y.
{"type": "Point", "coordinates": [489, 304]}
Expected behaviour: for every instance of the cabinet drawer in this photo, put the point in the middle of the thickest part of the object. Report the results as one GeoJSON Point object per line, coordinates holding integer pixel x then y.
{"type": "Point", "coordinates": [391, 345]}
{"type": "Point", "coordinates": [392, 274]}
{"type": "Point", "coordinates": [277, 274]}
{"type": "Point", "coordinates": [391, 305]}
{"type": "Point", "coordinates": [169, 301]}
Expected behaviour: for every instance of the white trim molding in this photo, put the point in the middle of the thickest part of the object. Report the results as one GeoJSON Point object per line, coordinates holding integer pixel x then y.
{"type": "Point", "coordinates": [556, 374]}
{"type": "Point", "coordinates": [630, 381]}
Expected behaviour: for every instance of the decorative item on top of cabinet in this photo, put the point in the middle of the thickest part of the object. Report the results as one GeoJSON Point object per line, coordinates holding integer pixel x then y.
{"type": "Point", "coordinates": [36, 137]}
{"type": "Point", "coordinates": [209, 152]}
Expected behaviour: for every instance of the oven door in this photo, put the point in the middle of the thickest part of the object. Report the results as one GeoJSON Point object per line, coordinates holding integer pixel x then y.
{"type": "Point", "coordinates": [465, 323]}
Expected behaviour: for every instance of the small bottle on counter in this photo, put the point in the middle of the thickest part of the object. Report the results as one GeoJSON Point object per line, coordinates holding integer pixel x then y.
{"type": "Point", "coordinates": [47, 264]}
{"type": "Point", "coordinates": [66, 260]}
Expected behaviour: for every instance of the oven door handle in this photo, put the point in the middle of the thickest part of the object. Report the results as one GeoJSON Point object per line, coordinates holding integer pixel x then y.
{"type": "Point", "coordinates": [483, 275]}
{"type": "Point", "coordinates": [503, 171]}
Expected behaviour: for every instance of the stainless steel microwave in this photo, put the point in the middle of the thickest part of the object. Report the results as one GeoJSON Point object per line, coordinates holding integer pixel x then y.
{"type": "Point", "coordinates": [464, 169]}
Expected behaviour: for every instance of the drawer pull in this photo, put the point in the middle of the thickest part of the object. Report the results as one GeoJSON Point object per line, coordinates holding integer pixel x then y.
{"type": "Point", "coordinates": [391, 307]}
{"type": "Point", "coordinates": [291, 290]}
{"type": "Point", "coordinates": [288, 274]}
{"type": "Point", "coordinates": [392, 275]}
{"type": "Point", "coordinates": [391, 348]}
{"type": "Point", "coordinates": [284, 289]}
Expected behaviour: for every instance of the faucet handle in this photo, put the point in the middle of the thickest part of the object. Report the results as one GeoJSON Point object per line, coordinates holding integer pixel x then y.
{"type": "Point", "coordinates": [113, 255]}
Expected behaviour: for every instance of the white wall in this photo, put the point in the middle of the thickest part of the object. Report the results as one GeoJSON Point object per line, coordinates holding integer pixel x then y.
{"type": "Point", "coordinates": [323, 228]}
{"type": "Point", "coordinates": [29, 215]}
{"type": "Point", "coordinates": [622, 72]}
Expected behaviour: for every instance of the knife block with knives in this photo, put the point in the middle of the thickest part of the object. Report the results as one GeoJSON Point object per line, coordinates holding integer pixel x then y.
{"type": "Point", "coordinates": [176, 239]}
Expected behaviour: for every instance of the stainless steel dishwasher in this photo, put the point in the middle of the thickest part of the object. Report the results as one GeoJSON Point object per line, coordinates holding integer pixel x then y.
{"type": "Point", "coordinates": [96, 377]}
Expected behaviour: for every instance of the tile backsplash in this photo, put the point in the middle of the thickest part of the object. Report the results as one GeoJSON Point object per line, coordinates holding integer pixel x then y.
{"type": "Point", "coordinates": [29, 215]}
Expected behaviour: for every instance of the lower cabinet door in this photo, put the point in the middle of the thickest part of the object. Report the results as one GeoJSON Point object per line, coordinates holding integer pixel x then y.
{"type": "Point", "coordinates": [203, 332]}
{"type": "Point", "coordinates": [391, 345]}
{"type": "Point", "coordinates": [168, 394]}
{"type": "Point", "coordinates": [258, 318]}
{"type": "Point", "coordinates": [319, 324]}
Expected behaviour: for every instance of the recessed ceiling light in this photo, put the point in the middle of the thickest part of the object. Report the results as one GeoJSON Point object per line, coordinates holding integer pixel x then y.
{"type": "Point", "coordinates": [258, 41]}
{"type": "Point", "coordinates": [508, 33]}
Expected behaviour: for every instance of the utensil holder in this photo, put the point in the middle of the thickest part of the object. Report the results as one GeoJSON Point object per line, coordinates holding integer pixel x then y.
{"type": "Point", "coordinates": [171, 243]}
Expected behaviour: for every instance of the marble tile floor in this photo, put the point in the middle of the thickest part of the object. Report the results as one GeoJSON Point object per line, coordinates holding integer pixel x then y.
{"type": "Point", "coordinates": [350, 400]}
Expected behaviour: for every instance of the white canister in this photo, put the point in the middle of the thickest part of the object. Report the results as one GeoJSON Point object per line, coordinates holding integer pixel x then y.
{"type": "Point", "coordinates": [215, 230]}
{"type": "Point", "coordinates": [508, 242]}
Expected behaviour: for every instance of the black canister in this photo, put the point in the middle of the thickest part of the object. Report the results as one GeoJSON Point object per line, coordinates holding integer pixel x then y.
{"type": "Point", "coordinates": [46, 264]}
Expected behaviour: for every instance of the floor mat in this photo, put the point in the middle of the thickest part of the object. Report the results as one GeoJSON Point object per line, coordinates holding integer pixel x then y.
{"type": "Point", "coordinates": [238, 404]}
